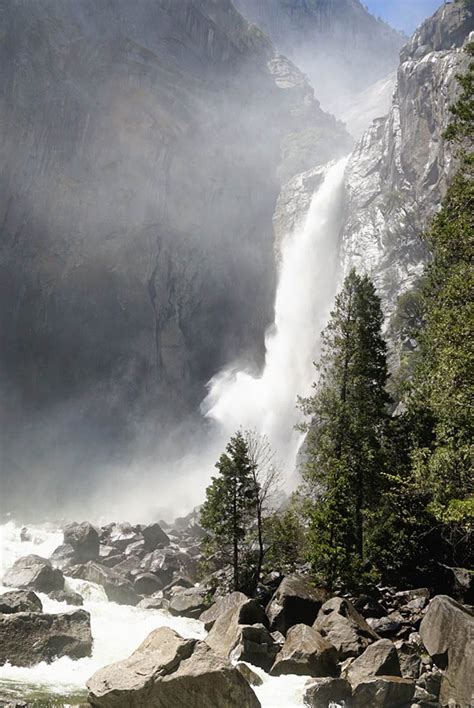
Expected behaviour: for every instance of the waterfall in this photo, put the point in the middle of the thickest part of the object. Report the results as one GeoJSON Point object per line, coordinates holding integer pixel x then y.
{"type": "Point", "coordinates": [306, 288]}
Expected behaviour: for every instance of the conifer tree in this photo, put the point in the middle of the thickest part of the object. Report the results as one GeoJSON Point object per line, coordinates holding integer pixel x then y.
{"type": "Point", "coordinates": [229, 509]}
{"type": "Point", "coordinates": [348, 415]}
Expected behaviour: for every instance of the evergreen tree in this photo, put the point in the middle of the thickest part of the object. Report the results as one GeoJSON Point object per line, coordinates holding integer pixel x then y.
{"type": "Point", "coordinates": [345, 442]}
{"type": "Point", "coordinates": [229, 510]}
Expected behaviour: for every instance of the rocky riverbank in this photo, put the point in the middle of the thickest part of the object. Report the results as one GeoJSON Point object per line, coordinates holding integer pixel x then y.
{"type": "Point", "coordinates": [396, 647]}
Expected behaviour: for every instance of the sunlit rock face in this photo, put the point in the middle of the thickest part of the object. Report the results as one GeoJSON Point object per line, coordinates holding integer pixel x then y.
{"type": "Point", "coordinates": [142, 148]}
{"type": "Point", "coordinates": [333, 41]}
{"type": "Point", "coordinates": [399, 171]}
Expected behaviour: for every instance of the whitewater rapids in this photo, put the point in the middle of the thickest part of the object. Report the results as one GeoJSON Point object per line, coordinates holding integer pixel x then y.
{"type": "Point", "coordinates": [117, 631]}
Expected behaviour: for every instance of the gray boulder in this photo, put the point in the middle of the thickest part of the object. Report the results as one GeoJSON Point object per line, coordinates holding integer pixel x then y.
{"type": "Point", "coordinates": [379, 659]}
{"type": "Point", "coordinates": [325, 692]}
{"type": "Point", "coordinates": [226, 632]}
{"type": "Point", "coordinates": [117, 588]}
{"type": "Point", "coordinates": [188, 602]}
{"type": "Point", "coordinates": [63, 557]}
{"type": "Point", "coordinates": [68, 596]}
{"type": "Point", "coordinates": [147, 584]}
{"type": "Point", "coordinates": [249, 675]}
{"type": "Point", "coordinates": [84, 539]}
{"type": "Point", "coordinates": [220, 607]}
{"type": "Point", "coordinates": [409, 659]}
{"type": "Point", "coordinates": [168, 671]}
{"type": "Point", "coordinates": [383, 692]}
{"type": "Point", "coordinates": [340, 623]}
{"type": "Point", "coordinates": [34, 572]}
{"type": "Point", "coordinates": [256, 646]}
{"type": "Point", "coordinates": [154, 537]}
{"type": "Point", "coordinates": [306, 653]}
{"type": "Point", "coordinates": [27, 638]}
{"type": "Point", "coordinates": [20, 601]}
{"type": "Point", "coordinates": [122, 535]}
{"type": "Point", "coordinates": [294, 602]}
{"type": "Point", "coordinates": [447, 632]}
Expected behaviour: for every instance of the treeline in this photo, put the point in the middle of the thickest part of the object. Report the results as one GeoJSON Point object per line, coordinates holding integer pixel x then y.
{"type": "Point", "coordinates": [388, 486]}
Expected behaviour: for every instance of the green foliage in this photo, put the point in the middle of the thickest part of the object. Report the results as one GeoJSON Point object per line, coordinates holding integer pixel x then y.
{"type": "Point", "coordinates": [228, 512]}
{"type": "Point", "coordinates": [461, 129]}
{"type": "Point", "coordinates": [285, 536]}
{"type": "Point", "coordinates": [345, 442]}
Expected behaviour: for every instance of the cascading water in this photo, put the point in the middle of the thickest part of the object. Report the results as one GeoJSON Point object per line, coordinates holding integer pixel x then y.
{"type": "Point", "coordinates": [306, 288]}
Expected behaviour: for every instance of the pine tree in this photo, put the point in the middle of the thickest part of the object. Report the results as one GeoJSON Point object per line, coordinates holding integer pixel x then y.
{"type": "Point", "coordinates": [348, 416]}
{"type": "Point", "coordinates": [229, 510]}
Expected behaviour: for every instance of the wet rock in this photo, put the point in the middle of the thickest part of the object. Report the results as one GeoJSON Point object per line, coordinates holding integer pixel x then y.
{"type": "Point", "coordinates": [147, 584]}
{"type": "Point", "coordinates": [27, 638]}
{"type": "Point", "coordinates": [154, 537]}
{"type": "Point", "coordinates": [20, 601]}
{"type": "Point", "coordinates": [256, 646]}
{"type": "Point", "coordinates": [84, 539]}
{"type": "Point", "coordinates": [188, 602]}
{"type": "Point", "coordinates": [325, 692]}
{"type": "Point", "coordinates": [383, 692]}
{"type": "Point", "coordinates": [34, 572]}
{"type": "Point", "coordinates": [117, 588]}
{"type": "Point", "coordinates": [154, 602]}
{"type": "Point", "coordinates": [447, 631]}
{"type": "Point", "coordinates": [250, 676]}
{"type": "Point", "coordinates": [340, 623]}
{"type": "Point", "coordinates": [64, 557]}
{"type": "Point", "coordinates": [68, 596]}
{"type": "Point", "coordinates": [379, 659]}
{"type": "Point", "coordinates": [220, 607]}
{"type": "Point", "coordinates": [122, 535]}
{"type": "Point", "coordinates": [167, 671]}
{"type": "Point", "coordinates": [306, 653]}
{"type": "Point", "coordinates": [294, 602]}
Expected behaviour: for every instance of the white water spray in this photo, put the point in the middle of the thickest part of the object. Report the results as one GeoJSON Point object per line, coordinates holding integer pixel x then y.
{"type": "Point", "coordinates": [306, 289]}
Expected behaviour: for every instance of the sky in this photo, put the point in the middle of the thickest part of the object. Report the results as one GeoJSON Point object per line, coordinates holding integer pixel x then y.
{"type": "Point", "coordinates": [403, 14]}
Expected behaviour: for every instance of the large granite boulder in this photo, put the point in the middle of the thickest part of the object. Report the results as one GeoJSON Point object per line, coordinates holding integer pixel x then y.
{"type": "Point", "coordinates": [447, 631]}
{"type": "Point", "coordinates": [294, 602]}
{"type": "Point", "coordinates": [220, 607]}
{"type": "Point", "coordinates": [188, 602]}
{"type": "Point", "coordinates": [168, 671]}
{"type": "Point", "coordinates": [256, 646]}
{"type": "Point", "coordinates": [383, 692]}
{"type": "Point", "coordinates": [340, 623]}
{"type": "Point", "coordinates": [20, 601]}
{"type": "Point", "coordinates": [325, 692]}
{"type": "Point", "coordinates": [84, 539]}
{"type": "Point", "coordinates": [306, 653]}
{"type": "Point", "coordinates": [226, 633]}
{"type": "Point", "coordinates": [27, 638]}
{"type": "Point", "coordinates": [154, 537]}
{"type": "Point", "coordinates": [34, 572]}
{"type": "Point", "coordinates": [63, 557]}
{"type": "Point", "coordinates": [117, 588]}
{"type": "Point", "coordinates": [379, 659]}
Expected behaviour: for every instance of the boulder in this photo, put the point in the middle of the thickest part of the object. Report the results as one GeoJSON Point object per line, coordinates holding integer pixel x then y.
{"type": "Point", "coordinates": [117, 588]}
{"type": "Point", "coordinates": [63, 557]}
{"type": "Point", "coordinates": [379, 659]}
{"type": "Point", "coordinates": [447, 632]}
{"type": "Point", "coordinates": [225, 634]}
{"type": "Point", "coordinates": [20, 601]}
{"type": "Point", "coordinates": [167, 671]}
{"type": "Point", "coordinates": [128, 567]}
{"type": "Point", "coordinates": [340, 623]}
{"type": "Point", "coordinates": [256, 646]}
{"type": "Point", "coordinates": [27, 638]}
{"type": "Point", "coordinates": [154, 537]}
{"type": "Point", "coordinates": [409, 659]}
{"type": "Point", "coordinates": [84, 539]}
{"type": "Point", "coordinates": [147, 584]}
{"type": "Point", "coordinates": [325, 692]}
{"type": "Point", "coordinates": [249, 675]}
{"type": "Point", "coordinates": [305, 653]}
{"type": "Point", "coordinates": [34, 572]}
{"type": "Point", "coordinates": [220, 607]}
{"type": "Point", "coordinates": [386, 626]}
{"type": "Point", "coordinates": [122, 535]}
{"type": "Point", "coordinates": [188, 602]}
{"type": "Point", "coordinates": [177, 582]}
{"type": "Point", "coordinates": [161, 563]}
{"type": "Point", "coordinates": [383, 692]}
{"type": "Point", "coordinates": [68, 596]}
{"type": "Point", "coordinates": [294, 602]}
{"type": "Point", "coordinates": [136, 549]}
{"type": "Point", "coordinates": [154, 602]}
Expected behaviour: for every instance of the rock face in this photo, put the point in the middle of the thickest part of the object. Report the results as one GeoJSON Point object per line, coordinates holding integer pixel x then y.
{"type": "Point", "coordinates": [379, 659]}
{"type": "Point", "coordinates": [400, 169]}
{"type": "Point", "coordinates": [306, 653]}
{"type": "Point", "coordinates": [226, 632]}
{"type": "Point", "coordinates": [84, 539]}
{"type": "Point", "coordinates": [383, 692]}
{"type": "Point", "coordinates": [447, 631]}
{"type": "Point", "coordinates": [34, 572]}
{"type": "Point", "coordinates": [294, 602]}
{"type": "Point", "coordinates": [220, 607]}
{"type": "Point", "coordinates": [167, 671]}
{"type": "Point", "coordinates": [137, 193]}
{"type": "Point", "coordinates": [27, 638]}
